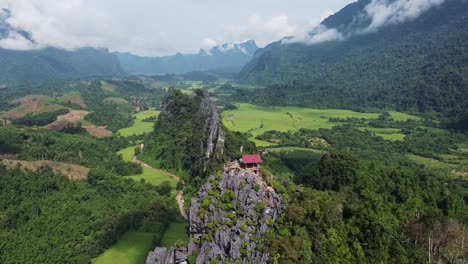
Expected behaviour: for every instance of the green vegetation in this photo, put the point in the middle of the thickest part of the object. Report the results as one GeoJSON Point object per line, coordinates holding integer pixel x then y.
{"type": "Point", "coordinates": [292, 149]}
{"type": "Point", "coordinates": [140, 126]}
{"type": "Point", "coordinates": [417, 66]}
{"type": "Point", "coordinates": [430, 163]}
{"type": "Point", "coordinates": [132, 248]}
{"type": "Point", "coordinates": [366, 208]}
{"type": "Point", "coordinates": [256, 120]}
{"type": "Point", "coordinates": [41, 119]}
{"type": "Point", "coordinates": [177, 232]}
{"type": "Point", "coordinates": [42, 144]}
{"type": "Point", "coordinates": [46, 218]}
{"type": "Point", "coordinates": [149, 174]}
{"type": "Point", "coordinates": [182, 135]}
{"type": "Point", "coordinates": [32, 66]}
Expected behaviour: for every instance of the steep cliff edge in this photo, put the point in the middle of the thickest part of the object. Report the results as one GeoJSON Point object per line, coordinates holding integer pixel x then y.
{"type": "Point", "coordinates": [228, 222]}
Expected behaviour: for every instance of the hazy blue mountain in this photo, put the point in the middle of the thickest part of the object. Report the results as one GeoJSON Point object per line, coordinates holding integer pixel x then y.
{"type": "Point", "coordinates": [224, 58]}
{"type": "Point", "coordinates": [52, 63]}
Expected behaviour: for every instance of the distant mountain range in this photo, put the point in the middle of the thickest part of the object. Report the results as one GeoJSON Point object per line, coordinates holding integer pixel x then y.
{"type": "Point", "coordinates": [51, 63]}
{"type": "Point", "coordinates": [223, 58]}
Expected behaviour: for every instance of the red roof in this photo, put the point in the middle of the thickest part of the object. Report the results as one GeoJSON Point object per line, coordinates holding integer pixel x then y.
{"type": "Point", "coordinates": [251, 159]}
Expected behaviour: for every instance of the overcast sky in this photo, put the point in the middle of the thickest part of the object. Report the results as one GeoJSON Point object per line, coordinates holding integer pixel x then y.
{"type": "Point", "coordinates": [161, 27]}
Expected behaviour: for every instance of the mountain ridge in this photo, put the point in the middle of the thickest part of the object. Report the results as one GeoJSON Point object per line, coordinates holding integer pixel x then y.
{"type": "Point", "coordinates": [227, 57]}
{"type": "Point", "coordinates": [49, 63]}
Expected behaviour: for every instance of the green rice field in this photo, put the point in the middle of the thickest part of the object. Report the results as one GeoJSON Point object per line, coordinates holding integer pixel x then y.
{"type": "Point", "coordinates": [132, 248]}
{"type": "Point", "coordinates": [176, 232]}
{"type": "Point", "coordinates": [151, 175]}
{"type": "Point", "coordinates": [257, 119]}
{"type": "Point", "coordinates": [140, 127]}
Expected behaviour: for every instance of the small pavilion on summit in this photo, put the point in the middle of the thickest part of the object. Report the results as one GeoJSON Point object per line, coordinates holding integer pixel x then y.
{"type": "Point", "coordinates": [252, 163]}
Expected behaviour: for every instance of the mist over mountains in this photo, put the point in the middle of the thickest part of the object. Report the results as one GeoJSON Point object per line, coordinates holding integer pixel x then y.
{"type": "Point", "coordinates": [416, 65]}
{"type": "Point", "coordinates": [24, 60]}
{"type": "Point", "coordinates": [225, 58]}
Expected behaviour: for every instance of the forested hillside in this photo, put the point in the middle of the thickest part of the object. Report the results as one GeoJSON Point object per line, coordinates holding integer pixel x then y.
{"type": "Point", "coordinates": [53, 64]}
{"type": "Point", "coordinates": [419, 65]}
{"type": "Point", "coordinates": [45, 217]}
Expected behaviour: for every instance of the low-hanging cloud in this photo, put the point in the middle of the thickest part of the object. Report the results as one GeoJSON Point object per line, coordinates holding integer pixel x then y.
{"type": "Point", "coordinates": [156, 27]}
{"type": "Point", "coordinates": [385, 12]}
{"type": "Point", "coordinates": [377, 14]}
{"type": "Point", "coordinates": [262, 30]}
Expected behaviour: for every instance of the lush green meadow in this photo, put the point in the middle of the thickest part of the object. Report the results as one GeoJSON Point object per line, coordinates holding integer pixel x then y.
{"type": "Point", "coordinates": [132, 248]}
{"type": "Point", "coordinates": [176, 232]}
{"type": "Point", "coordinates": [257, 119]}
{"type": "Point", "coordinates": [428, 162]}
{"type": "Point", "coordinates": [151, 175]}
{"type": "Point", "coordinates": [140, 127]}
{"type": "Point", "coordinates": [393, 134]}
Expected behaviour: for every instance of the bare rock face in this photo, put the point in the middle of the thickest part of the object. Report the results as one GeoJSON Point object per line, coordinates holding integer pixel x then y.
{"type": "Point", "coordinates": [176, 255]}
{"type": "Point", "coordinates": [228, 221]}
{"type": "Point", "coordinates": [208, 114]}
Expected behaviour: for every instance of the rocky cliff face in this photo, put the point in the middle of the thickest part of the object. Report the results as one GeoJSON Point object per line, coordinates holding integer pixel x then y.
{"type": "Point", "coordinates": [228, 222]}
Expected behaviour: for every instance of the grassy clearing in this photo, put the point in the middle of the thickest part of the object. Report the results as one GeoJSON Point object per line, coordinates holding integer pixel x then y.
{"type": "Point", "coordinates": [72, 172]}
{"type": "Point", "coordinates": [73, 98]}
{"type": "Point", "coordinates": [256, 120]}
{"type": "Point", "coordinates": [132, 248]}
{"type": "Point", "coordinates": [151, 175]}
{"type": "Point", "coordinates": [392, 134]}
{"type": "Point", "coordinates": [140, 127]}
{"type": "Point", "coordinates": [175, 232]}
{"type": "Point", "coordinates": [115, 100]}
{"type": "Point", "coordinates": [288, 149]}
{"type": "Point", "coordinates": [32, 104]}
{"type": "Point", "coordinates": [107, 86]}
{"type": "Point", "coordinates": [464, 148]}
{"type": "Point", "coordinates": [430, 163]}
{"type": "Point", "coordinates": [398, 116]}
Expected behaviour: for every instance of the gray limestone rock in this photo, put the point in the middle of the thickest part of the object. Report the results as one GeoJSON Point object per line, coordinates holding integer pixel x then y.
{"type": "Point", "coordinates": [232, 226]}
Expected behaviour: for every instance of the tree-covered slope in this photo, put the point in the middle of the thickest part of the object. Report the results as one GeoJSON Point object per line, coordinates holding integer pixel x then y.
{"type": "Point", "coordinates": [417, 65]}
{"type": "Point", "coordinates": [52, 64]}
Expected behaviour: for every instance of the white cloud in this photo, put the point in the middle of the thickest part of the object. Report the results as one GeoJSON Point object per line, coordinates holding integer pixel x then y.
{"type": "Point", "coordinates": [158, 27]}
{"type": "Point", "coordinates": [15, 41]}
{"type": "Point", "coordinates": [322, 34]}
{"type": "Point", "coordinates": [384, 12]}
{"type": "Point", "coordinates": [380, 13]}
{"type": "Point", "coordinates": [262, 30]}
{"type": "Point", "coordinates": [208, 43]}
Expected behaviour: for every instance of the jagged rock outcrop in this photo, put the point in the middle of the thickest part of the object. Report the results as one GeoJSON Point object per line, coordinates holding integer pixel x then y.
{"type": "Point", "coordinates": [228, 221]}
{"type": "Point", "coordinates": [208, 114]}
{"type": "Point", "coordinates": [176, 255]}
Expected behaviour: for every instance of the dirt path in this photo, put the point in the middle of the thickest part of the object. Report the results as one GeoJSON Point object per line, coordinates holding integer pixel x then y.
{"type": "Point", "coordinates": [180, 202]}
{"type": "Point", "coordinates": [180, 194]}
